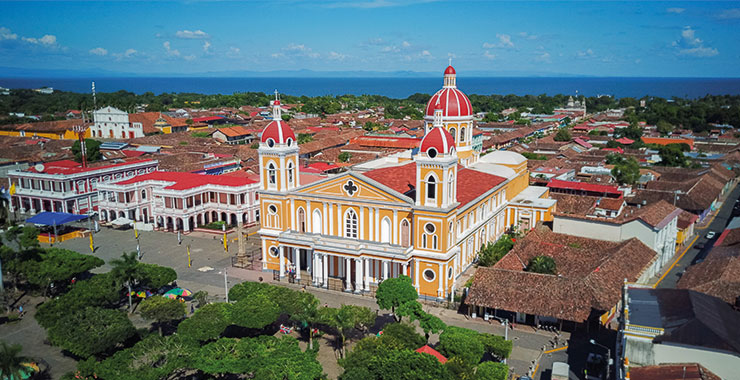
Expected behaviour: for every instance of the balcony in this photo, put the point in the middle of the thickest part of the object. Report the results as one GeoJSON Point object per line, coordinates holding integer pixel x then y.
{"type": "Point", "coordinates": [346, 245]}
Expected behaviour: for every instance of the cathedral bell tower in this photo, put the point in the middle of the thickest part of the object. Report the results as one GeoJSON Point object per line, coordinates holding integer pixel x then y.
{"type": "Point", "coordinates": [278, 154]}
{"type": "Point", "coordinates": [436, 166]}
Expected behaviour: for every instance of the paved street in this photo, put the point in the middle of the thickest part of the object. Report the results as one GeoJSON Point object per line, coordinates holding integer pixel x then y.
{"type": "Point", "coordinates": [721, 218]}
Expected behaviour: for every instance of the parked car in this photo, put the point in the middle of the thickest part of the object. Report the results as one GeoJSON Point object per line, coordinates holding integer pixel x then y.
{"type": "Point", "coordinates": [711, 234]}
{"type": "Point", "coordinates": [596, 367]}
{"type": "Point", "coordinates": [699, 246]}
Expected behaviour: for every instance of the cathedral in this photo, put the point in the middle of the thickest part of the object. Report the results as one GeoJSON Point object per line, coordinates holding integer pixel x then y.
{"type": "Point", "coordinates": [423, 214]}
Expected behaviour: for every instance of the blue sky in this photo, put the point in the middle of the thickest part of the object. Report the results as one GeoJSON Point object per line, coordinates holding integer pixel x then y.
{"type": "Point", "coordinates": [699, 38]}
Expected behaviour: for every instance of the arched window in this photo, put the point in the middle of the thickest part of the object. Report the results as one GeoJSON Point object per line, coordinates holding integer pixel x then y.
{"type": "Point", "coordinates": [428, 234]}
{"type": "Point", "coordinates": [451, 235]}
{"type": "Point", "coordinates": [271, 175]}
{"type": "Point", "coordinates": [462, 134]}
{"type": "Point", "coordinates": [290, 174]}
{"type": "Point", "coordinates": [451, 188]}
{"type": "Point", "coordinates": [405, 233]}
{"type": "Point", "coordinates": [301, 220]}
{"type": "Point", "coordinates": [143, 194]}
{"type": "Point", "coordinates": [431, 188]}
{"type": "Point", "coordinates": [385, 230]}
{"type": "Point", "coordinates": [316, 225]}
{"type": "Point", "coordinates": [350, 224]}
{"type": "Point", "coordinates": [273, 219]}
{"type": "Point", "coordinates": [452, 132]}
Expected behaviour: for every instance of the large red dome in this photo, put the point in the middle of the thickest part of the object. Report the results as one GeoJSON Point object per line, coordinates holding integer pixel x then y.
{"type": "Point", "coordinates": [454, 103]}
{"type": "Point", "coordinates": [449, 70]}
{"type": "Point", "coordinates": [279, 131]}
{"type": "Point", "coordinates": [439, 139]}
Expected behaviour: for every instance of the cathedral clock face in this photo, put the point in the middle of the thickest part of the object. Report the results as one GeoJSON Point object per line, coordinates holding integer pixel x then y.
{"type": "Point", "coordinates": [351, 188]}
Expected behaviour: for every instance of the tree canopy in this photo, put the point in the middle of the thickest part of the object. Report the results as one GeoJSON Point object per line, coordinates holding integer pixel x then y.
{"type": "Point", "coordinates": [394, 292]}
{"type": "Point", "coordinates": [542, 264]}
{"type": "Point", "coordinates": [491, 253]}
{"type": "Point", "coordinates": [90, 331]}
{"type": "Point", "coordinates": [562, 135]}
{"type": "Point", "coordinates": [626, 171]}
{"type": "Point", "coordinates": [161, 310]}
{"type": "Point", "coordinates": [92, 150]}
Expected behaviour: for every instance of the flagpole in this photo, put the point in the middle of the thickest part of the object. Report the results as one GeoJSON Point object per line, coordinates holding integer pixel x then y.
{"type": "Point", "coordinates": [226, 244]}
{"type": "Point", "coordinates": [190, 262]}
{"type": "Point", "coordinates": [92, 244]}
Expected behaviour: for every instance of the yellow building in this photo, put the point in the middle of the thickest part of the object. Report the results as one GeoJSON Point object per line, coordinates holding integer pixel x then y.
{"type": "Point", "coordinates": [425, 216]}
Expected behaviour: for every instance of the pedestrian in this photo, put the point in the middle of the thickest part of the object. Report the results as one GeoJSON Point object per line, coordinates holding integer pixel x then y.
{"type": "Point", "coordinates": [192, 309]}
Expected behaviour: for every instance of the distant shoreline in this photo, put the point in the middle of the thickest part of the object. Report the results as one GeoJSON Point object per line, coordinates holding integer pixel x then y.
{"type": "Point", "coordinates": [394, 87]}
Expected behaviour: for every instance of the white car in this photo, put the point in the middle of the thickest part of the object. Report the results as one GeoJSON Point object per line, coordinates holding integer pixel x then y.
{"type": "Point", "coordinates": [711, 234]}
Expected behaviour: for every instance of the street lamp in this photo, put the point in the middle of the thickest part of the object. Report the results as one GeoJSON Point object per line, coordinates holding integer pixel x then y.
{"type": "Point", "coordinates": [608, 357]}
{"type": "Point", "coordinates": [506, 331]}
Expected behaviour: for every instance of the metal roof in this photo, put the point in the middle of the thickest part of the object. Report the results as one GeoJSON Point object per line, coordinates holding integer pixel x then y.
{"type": "Point", "coordinates": [113, 145]}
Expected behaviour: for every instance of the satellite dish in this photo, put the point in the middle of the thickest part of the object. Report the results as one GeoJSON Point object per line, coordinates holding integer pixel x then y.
{"type": "Point", "coordinates": [39, 167]}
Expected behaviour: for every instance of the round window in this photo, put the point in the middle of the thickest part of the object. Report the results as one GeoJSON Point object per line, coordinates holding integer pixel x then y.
{"type": "Point", "coordinates": [274, 251]}
{"type": "Point", "coordinates": [429, 275]}
{"type": "Point", "coordinates": [429, 227]}
{"type": "Point", "coordinates": [450, 273]}
{"type": "Point", "coordinates": [270, 143]}
{"type": "Point", "coordinates": [272, 209]}
{"type": "Point", "coordinates": [289, 142]}
{"type": "Point", "coordinates": [431, 152]}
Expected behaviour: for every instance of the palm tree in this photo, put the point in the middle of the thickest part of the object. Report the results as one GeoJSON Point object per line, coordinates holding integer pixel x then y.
{"type": "Point", "coordinates": [126, 270]}
{"type": "Point", "coordinates": [10, 362]}
{"type": "Point", "coordinates": [542, 264]}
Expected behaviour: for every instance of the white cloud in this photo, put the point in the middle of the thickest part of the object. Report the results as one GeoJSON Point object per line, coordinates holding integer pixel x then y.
{"type": "Point", "coordinates": [298, 50]}
{"type": "Point", "coordinates": [99, 51]}
{"type": "Point", "coordinates": [6, 34]}
{"type": "Point", "coordinates": [129, 53]}
{"type": "Point", "coordinates": [504, 41]}
{"type": "Point", "coordinates": [233, 52]}
{"type": "Point", "coordinates": [170, 51]}
{"type": "Point", "coordinates": [192, 34]}
{"type": "Point", "coordinates": [375, 3]}
{"type": "Point", "coordinates": [426, 53]}
{"type": "Point", "coordinates": [189, 57]}
{"type": "Point", "coordinates": [675, 10]}
{"type": "Point", "coordinates": [488, 55]}
{"type": "Point", "coordinates": [527, 36]}
{"type": "Point", "coordinates": [729, 14]}
{"type": "Point", "coordinates": [691, 45]}
{"type": "Point", "coordinates": [334, 56]}
{"type": "Point", "coordinates": [206, 47]}
{"type": "Point", "coordinates": [588, 53]}
{"type": "Point", "coordinates": [405, 44]}
{"type": "Point", "coordinates": [46, 40]}
{"type": "Point", "coordinates": [544, 57]}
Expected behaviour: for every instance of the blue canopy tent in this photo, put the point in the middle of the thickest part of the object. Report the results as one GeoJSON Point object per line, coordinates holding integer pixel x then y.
{"type": "Point", "coordinates": [48, 218]}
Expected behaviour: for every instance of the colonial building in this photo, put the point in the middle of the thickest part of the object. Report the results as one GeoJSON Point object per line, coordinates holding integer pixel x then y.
{"type": "Point", "coordinates": [67, 186]}
{"type": "Point", "coordinates": [177, 201]}
{"type": "Point", "coordinates": [424, 216]}
{"type": "Point", "coordinates": [110, 122]}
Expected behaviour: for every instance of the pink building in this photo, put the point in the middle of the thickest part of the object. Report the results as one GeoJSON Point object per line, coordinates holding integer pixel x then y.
{"type": "Point", "coordinates": [177, 201]}
{"type": "Point", "coordinates": [66, 186]}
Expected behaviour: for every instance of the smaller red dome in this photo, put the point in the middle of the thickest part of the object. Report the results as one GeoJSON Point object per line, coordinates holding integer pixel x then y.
{"type": "Point", "coordinates": [450, 70]}
{"type": "Point", "coordinates": [438, 139]}
{"type": "Point", "coordinates": [276, 103]}
{"type": "Point", "coordinates": [279, 132]}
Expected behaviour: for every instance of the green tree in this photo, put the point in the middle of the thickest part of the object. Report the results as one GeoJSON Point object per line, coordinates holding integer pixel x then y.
{"type": "Point", "coordinates": [208, 322]}
{"type": "Point", "coordinates": [491, 253]}
{"type": "Point", "coordinates": [496, 345]}
{"type": "Point", "coordinates": [388, 364]}
{"type": "Point", "coordinates": [161, 310]}
{"type": "Point", "coordinates": [393, 292]}
{"type": "Point", "coordinates": [58, 265]}
{"type": "Point", "coordinates": [92, 150]}
{"type": "Point", "coordinates": [255, 312]}
{"type": "Point", "coordinates": [126, 270]}
{"type": "Point", "coordinates": [154, 276]}
{"type": "Point", "coordinates": [460, 369]}
{"type": "Point", "coordinates": [542, 264]}
{"type": "Point", "coordinates": [344, 156]}
{"type": "Point", "coordinates": [90, 331]}
{"type": "Point", "coordinates": [664, 127]}
{"type": "Point", "coordinates": [430, 324]}
{"type": "Point", "coordinates": [492, 371]}
{"type": "Point", "coordinates": [11, 362]}
{"type": "Point", "coordinates": [627, 171]}
{"type": "Point", "coordinates": [462, 343]}
{"type": "Point", "coordinates": [304, 138]}
{"type": "Point", "coordinates": [345, 319]}
{"type": "Point", "coordinates": [562, 135]}
{"type": "Point", "coordinates": [100, 290]}
{"type": "Point", "coordinates": [306, 313]}
{"type": "Point", "coordinates": [672, 155]}
{"type": "Point", "coordinates": [401, 336]}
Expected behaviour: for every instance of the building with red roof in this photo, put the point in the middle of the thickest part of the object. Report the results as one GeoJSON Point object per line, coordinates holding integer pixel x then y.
{"type": "Point", "coordinates": [584, 188]}
{"type": "Point", "coordinates": [67, 186]}
{"type": "Point", "coordinates": [181, 201]}
{"type": "Point", "coordinates": [425, 349]}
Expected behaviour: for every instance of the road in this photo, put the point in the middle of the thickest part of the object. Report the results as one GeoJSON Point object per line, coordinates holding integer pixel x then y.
{"type": "Point", "coordinates": [721, 219]}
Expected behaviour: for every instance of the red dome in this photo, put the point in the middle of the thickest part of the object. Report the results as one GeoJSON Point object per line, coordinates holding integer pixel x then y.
{"type": "Point", "coordinates": [279, 131]}
{"type": "Point", "coordinates": [439, 139]}
{"type": "Point", "coordinates": [450, 70]}
{"type": "Point", "coordinates": [453, 101]}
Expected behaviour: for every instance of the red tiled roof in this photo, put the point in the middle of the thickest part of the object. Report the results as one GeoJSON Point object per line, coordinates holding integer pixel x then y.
{"type": "Point", "coordinates": [233, 131]}
{"type": "Point", "coordinates": [428, 350]}
{"type": "Point", "coordinates": [583, 186]}
{"type": "Point", "coordinates": [673, 371]}
{"type": "Point", "coordinates": [184, 180]}
{"type": "Point", "coordinates": [388, 142]}
{"type": "Point", "coordinates": [206, 118]}
{"type": "Point", "coordinates": [322, 166]}
{"type": "Point", "coordinates": [625, 141]}
{"type": "Point", "coordinates": [399, 178]}
{"type": "Point", "coordinates": [582, 143]}
{"type": "Point", "coordinates": [667, 140]}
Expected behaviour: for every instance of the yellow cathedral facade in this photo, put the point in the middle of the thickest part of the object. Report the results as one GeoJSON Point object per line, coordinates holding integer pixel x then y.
{"type": "Point", "coordinates": [423, 214]}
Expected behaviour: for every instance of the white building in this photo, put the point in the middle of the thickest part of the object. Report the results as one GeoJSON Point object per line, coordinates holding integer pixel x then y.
{"type": "Point", "coordinates": [110, 122]}
{"type": "Point", "coordinates": [177, 201]}
{"type": "Point", "coordinates": [65, 186]}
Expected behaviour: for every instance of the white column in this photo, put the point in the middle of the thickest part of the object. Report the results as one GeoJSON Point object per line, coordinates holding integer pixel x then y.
{"type": "Point", "coordinates": [315, 271]}
{"type": "Point", "coordinates": [292, 215]}
{"type": "Point", "coordinates": [282, 261]}
{"type": "Point", "coordinates": [325, 270]}
{"type": "Point", "coordinates": [377, 229]}
{"type": "Point", "coordinates": [394, 227]}
{"type": "Point", "coordinates": [347, 274]}
{"type": "Point", "coordinates": [358, 275]}
{"type": "Point", "coordinates": [440, 273]}
{"type": "Point", "coordinates": [416, 274]}
{"type": "Point", "coordinates": [385, 269]}
{"type": "Point", "coordinates": [405, 266]}
{"type": "Point", "coordinates": [309, 217]}
{"type": "Point", "coordinates": [371, 223]}
{"type": "Point", "coordinates": [325, 221]}
{"type": "Point", "coordinates": [331, 218]}
{"type": "Point", "coordinates": [297, 254]}
{"type": "Point", "coordinates": [361, 224]}
{"type": "Point", "coordinates": [367, 274]}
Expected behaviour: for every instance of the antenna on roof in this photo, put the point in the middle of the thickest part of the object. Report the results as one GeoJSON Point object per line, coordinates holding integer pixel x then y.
{"type": "Point", "coordinates": [95, 102]}
{"type": "Point", "coordinates": [450, 60]}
